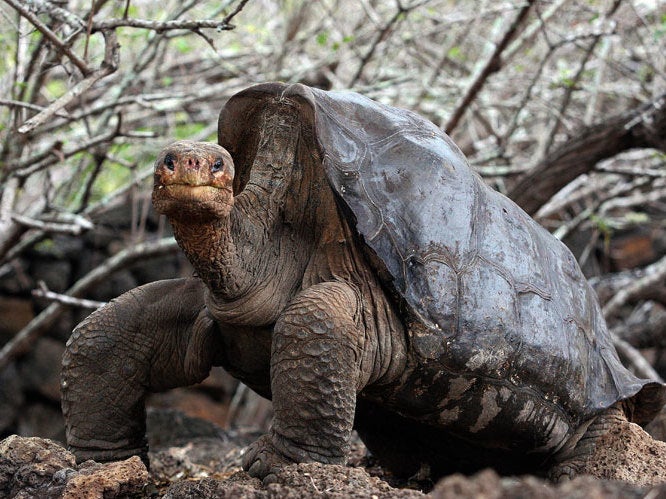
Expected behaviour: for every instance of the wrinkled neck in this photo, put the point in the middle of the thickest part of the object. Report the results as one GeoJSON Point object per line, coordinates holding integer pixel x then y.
{"type": "Point", "coordinates": [210, 248]}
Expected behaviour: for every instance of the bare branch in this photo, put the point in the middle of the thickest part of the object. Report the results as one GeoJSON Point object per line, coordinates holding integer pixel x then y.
{"type": "Point", "coordinates": [657, 170]}
{"type": "Point", "coordinates": [654, 275]}
{"type": "Point", "coordinates": [594, 103]}
{"type": "Point", "coordinates": [531, 31]}
{"type": "Point", "coordinates": [34, 236]}
{"type": "Point", "coordinates": [108, 66]}
{"type": "Point", "coordinates": [62, 15]}
{"type": "Point", "coordinates": [28, 105]}
{"type": "Point", "coordinates": [44, 292]}
{"type": "Point", "coordinates": [50, 158]}
{"type": "Point", "coordinates": [236, 11]}
{"type": "Point", "coordinates": [492, 65]}
{"type": "Point", "coordinates": [637, 199]}
{"type": "Point", "coordinates": [381, 36]}
{"type": "Point", "coordinates": [55, 227]}
{"type": "Point", "coordinates": [634, 359]}
{"type": "Point", "coordinates": [642, 127]}
{"type": "Point", "coordinates": [50, 36]}
{"type": "Point", "coordinates": [601, 198]}
{"type": "Point", "coordinates": [646, 326]}
{"type": "Point", "coordinates": [160, 26]}
{"type": "Point", "coordinates": [8, 230]}
{"type": "Point", "coordinates": [566, 99]}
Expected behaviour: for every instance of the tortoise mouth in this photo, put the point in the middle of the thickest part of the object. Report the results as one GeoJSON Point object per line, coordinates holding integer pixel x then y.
{"type": "Point", "coordinates": [185, 200]}
{"type": "Point", "coordinates": [193, 191]}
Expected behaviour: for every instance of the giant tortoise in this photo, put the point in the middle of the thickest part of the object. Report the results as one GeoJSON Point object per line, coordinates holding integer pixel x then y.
{"type": "Point", "coordinates": [351, 267]}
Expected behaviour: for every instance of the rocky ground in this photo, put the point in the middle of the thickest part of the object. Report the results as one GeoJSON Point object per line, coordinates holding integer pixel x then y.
{"type": "Point", "coordinates": [192, 458]}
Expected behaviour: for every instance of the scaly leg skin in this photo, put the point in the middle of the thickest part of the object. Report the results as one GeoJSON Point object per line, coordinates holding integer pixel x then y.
{"type": "Point", "coordinates": [152, 338]}
{"type": "Point", "coordinates": [315, 375]}
{"type": "Point", "coordinates": [574, 459]}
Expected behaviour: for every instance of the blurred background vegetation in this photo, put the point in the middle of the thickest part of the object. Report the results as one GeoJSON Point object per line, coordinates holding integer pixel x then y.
{"type": "Point", "coordinates": [559, 104]}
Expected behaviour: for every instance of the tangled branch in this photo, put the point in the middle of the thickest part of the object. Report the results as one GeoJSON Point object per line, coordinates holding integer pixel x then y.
{"type": "Point", "coordinates": [108, 66]}
{"type": "Point", "coordinates": [50, 36]}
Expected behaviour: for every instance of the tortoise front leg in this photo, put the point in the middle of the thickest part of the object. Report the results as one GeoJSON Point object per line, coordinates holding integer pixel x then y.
{"type": "Point", "coordinates": [152, 338]}
{"type": "Point", "coordinates": [315, 376]}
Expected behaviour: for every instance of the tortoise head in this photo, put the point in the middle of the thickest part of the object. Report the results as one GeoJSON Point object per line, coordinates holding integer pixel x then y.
{"type": "Point", "coordinates": [193, 180]}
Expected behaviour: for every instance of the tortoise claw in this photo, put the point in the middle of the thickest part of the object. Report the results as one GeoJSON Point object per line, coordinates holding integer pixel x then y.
{"type": "Point", "coordinates": [262, 460]}
{"type": "Point", "coordinates": [563, 473]}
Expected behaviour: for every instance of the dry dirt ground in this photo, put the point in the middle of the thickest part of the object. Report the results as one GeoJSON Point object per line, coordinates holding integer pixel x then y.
{"type": "Point", "coordinates": [192, 458]}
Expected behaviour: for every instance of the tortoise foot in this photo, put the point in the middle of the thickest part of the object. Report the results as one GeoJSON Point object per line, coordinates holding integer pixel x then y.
{"type": "Point", "coordinates": [262, 459]}
{"type": "Point", "coordinates": [565, 472]}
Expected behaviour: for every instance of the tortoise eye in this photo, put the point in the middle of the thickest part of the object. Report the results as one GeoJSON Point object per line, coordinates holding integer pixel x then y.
{"type": "Point", "coordinates": [168, 161]}
{"type": "Point", "coordinates": [217, 166]}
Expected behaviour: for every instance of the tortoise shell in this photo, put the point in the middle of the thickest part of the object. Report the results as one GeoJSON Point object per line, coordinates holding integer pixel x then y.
{"type": "Point", "coordinates": [486, 291]}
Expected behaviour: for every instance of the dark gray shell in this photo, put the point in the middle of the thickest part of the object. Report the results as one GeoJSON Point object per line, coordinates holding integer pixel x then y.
{"type": "Point", "coordinates": [489, 292]}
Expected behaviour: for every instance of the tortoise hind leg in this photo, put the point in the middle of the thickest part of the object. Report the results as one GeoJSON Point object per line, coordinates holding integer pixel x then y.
{"type": "Point", "coordinates": [573, 459]}
{"type": "Point", "coordinates": [613, 448]}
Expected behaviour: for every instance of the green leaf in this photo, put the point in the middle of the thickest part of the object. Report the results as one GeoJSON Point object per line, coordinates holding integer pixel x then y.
{"type": "Point", "coordinates": [604, 225]}
{"type": "Point", "coordinates": [455, 53]}
{"type": "Point", "coordinates": [567, 82]}
{"type": "Point", "coordinates": [183, 45]}
{"type": "Point", "coordinates": [187, 130]}
{"type": "Point", "coordinates": [322, 38]}
{"type": "Point", "coordinates": [56, 88]}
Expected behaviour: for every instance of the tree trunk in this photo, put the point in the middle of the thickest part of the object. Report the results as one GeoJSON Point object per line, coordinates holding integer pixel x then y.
{"type": "Point", "coordinates": [643, 127]}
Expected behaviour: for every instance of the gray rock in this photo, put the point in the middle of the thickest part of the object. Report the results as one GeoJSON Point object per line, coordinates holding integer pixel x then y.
{"type": "Point", "coordinates": [32, 467]}
{"type": "Point", "coordinates": [28, 466]}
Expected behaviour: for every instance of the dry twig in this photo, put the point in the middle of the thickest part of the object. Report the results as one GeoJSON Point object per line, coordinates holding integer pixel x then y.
{"type": "Point", "coordinates": [43, 292]}
{"type": "Point", "coordinates": [654, 274]}
{"type": "Point", "coordinates": [51, 36]}
{"type": "Point", "coordinates": [642, 127]}
{"type": "Point", "coordinates": [634, 359]}
{"type": "Point", "coordinates": [490, 66]}
{"type": "Point", "coordinates": [108, 66]}
{"type": "Point", "coordinates": [54, 227]}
